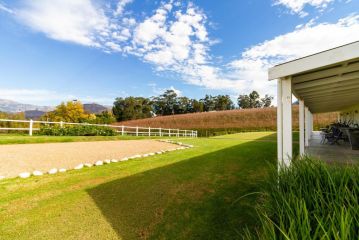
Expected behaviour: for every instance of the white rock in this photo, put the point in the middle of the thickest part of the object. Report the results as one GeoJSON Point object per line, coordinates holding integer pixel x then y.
{"type": "Point", "coordinates": [88, 164]}
{"type": "Point", "coordinates": [107, 161]}
{"type": "Point", "coordinates": [37, 173]}
{"type": "Point", "coordinates": [151, 154]}
{"type": "Point", "coordinates": [53, 171]}
{"type": "Point", "coordinates": [145, 155]}
{"type": "Point", "coordinates": [179, 143]}
{"type": "Point", "coordinates": [137, 156]}
{"type": "Point", "coordinates": [124, 159]}
{"type": "Point", "coordinates": [114, 160]}
{"type": "Point", "coordinates": [25, 175]}
{"type": "Point", "coordinates": [99, 163]}
{"type": "Point", "coordinates": [79, 166]}
{"type": "Point", "coordinates": [62, 170]}
{"type": "Point", "coordinates": [158, 152]}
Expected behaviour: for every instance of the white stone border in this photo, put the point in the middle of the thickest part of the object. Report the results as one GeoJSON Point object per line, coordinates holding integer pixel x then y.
{"type": "Point", "coordinates": [106, 161]}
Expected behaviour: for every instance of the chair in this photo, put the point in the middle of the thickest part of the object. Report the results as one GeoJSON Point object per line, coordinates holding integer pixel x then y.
{"type": "Point", "coordinates": [334, 136]}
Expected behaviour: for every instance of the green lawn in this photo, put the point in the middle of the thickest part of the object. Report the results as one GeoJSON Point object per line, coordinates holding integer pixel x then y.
{"type": "Point", "coordinates": [20, 139]}
{"type": "Point", "coordinates": [187, 194]}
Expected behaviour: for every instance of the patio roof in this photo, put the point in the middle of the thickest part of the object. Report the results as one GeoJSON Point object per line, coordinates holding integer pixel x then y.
{"type": "Point", "coordinates": [327, 81]}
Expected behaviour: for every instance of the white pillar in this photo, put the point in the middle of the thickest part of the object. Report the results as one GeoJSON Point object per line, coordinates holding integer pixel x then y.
{"type": "Point", "coordinates": [307, 132]}
{"type": "Point", "coordinates": [285, 140]}
{"type": "Point", "coordinates": [301, 127]}
{"type": "Point", "coordinates": [160, 132]}
{"type": "Point", "coordinates": [149, 131]}
{"type": "Point", "coordinates": [122, 130]}
{"type": "Point", "coordinates": [136, 131]}
{"type": "Point", "coordinates": [279, 122]}
{"type": "Point", "coordinates": [30, 127]}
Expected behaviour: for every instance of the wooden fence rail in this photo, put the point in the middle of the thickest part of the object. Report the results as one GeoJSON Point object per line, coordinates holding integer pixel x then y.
{"type": "Point", "coordinates": [31, 125]}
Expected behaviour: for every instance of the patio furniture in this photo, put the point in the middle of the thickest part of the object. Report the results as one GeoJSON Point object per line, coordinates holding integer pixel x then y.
{"type": "Point", "coordinates": [334, 135]}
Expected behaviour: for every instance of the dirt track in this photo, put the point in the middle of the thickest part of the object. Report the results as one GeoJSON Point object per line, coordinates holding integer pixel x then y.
{"type": "Point", "coordinates": [18, 158]}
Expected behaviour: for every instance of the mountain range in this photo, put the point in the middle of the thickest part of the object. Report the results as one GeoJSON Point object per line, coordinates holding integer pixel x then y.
{"type": "Point", "coordinates": [31, 110]}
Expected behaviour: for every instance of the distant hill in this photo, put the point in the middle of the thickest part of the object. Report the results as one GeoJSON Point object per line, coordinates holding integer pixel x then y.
{"type": "Point", "coordinates": [95, 108]}
{"type": "Point", "coordinates": [34, 114]}
{"type": "Point", "coordinates": [13, 106]}
{"type": "Point", "coordinates": [220, 122]}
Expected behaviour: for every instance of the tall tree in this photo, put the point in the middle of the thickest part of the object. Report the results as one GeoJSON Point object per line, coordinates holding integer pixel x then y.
{"type": "Point", "coordinates": [132, 108]}
{"type": "Point", "coordinates": [244, 101]}
{"type": "Point", "coordinates": [223, 102]}
{"type": "Point", "coordinates": [267, 101]}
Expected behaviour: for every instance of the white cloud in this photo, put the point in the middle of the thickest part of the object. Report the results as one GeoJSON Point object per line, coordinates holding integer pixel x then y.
{"type": "Point", "coordinates": [308, 39]}
{"type": "Point", "coordinates": [121, 6]}
{"type": "Point", "coordinates": [175, 39]}
{"type": "Point", "coordinates": [77, 21]}
{"type": "Point", "coordinates": [297, 6]}
{"type": "Point", "coordinates": [5, 9]}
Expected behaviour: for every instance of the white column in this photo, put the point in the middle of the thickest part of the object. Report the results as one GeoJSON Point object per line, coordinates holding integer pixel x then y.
{"type": "Point", "coordinates": [285, 126]}
{"type": "Point", "coordinates": [30, 127]}
{"type": "Point", "coordinates": [279, 122]}
{"type": "Point", "coordinates": [160, 132]}
{"type": "Point", "coordinates": [307, 132]}
{"type": "Point", "coordinates": [149, 131]}
{"type": "Point", "coordinates": [301, 127]}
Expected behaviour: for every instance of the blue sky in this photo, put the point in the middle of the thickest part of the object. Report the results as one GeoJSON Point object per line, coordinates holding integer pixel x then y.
{"type": "Point", "coordinates": [57, 50]}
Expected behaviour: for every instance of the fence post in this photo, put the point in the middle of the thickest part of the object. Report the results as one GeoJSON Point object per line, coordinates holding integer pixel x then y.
{"type": "Point", "coordinates": [149, 131]}
{"type": "Point", "coordinates": [169, 132]}
{"type": "Point", "coordinates": [137, 131]}
{"type": "Point", "coordinates": [30, 127]}
{"type": "Point", "coordinates": [185, 133]}
{"type": "Point", "coordinates": [122, 130]}
{"type": "Point", "coordinates": [160, 132]}
{"type": "Point", "coordinates": [177, 132]}
{"type": "Point", "coordinates": [61, 124]}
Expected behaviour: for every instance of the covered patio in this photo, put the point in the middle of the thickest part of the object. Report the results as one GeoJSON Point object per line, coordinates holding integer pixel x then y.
{"type": "Point", "coordinates": [324, 82]}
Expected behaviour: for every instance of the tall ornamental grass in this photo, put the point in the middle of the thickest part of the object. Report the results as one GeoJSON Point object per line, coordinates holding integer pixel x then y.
{"type": "Point", "coordinates": [310, 200]}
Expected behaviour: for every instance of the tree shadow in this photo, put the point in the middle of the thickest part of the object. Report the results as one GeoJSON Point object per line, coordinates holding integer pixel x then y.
{"type": "Point", "coordinates": [196, 198]}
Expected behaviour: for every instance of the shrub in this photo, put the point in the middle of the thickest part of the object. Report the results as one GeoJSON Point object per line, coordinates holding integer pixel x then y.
{"type": "Point", "coordinates": [310, 200]}
{"type": "Point", "coordinates": [76, 130]}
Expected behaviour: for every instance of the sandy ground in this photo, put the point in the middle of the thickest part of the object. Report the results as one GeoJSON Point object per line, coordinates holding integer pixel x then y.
{"type": "Point", "coordinates": [18, 158]}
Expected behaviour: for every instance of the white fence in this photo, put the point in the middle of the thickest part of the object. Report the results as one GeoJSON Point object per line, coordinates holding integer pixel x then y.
{"type": "Point", "coordinates": [30, 126]}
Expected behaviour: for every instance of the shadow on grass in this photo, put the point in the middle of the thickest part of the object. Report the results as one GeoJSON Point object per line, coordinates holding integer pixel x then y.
{"type": "Point", "coordinates": [191, 199]}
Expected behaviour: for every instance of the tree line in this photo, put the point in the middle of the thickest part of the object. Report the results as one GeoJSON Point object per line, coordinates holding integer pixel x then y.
{"type": "Point", "coordinates": [169, 103]}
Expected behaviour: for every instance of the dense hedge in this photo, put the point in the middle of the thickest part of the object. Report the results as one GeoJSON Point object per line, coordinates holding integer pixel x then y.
{"type": "Point", "coordinates": [76, 130]}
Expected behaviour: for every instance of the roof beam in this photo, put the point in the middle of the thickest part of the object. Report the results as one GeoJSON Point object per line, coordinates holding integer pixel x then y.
{"type": "Point", "coordinates": [343, 85]}
{"type": "Point", "coordinates": [334, 91]}
{"type": "Point", "coordinates": [326, 73]}
{"type": "Point", "coordinates": [328, 80]}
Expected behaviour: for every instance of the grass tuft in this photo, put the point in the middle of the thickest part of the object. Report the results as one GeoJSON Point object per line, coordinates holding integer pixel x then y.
{"type": "Point", "coordinates": [310, 200]}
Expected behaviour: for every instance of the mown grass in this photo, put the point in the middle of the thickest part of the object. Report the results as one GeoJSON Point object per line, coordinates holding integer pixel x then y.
{"type": "Point", "coordinates": [310, 200]}
{"type": "Point", "coordinates": [23, 139]}
{"type": "Point", "coordinates": [188, 194]}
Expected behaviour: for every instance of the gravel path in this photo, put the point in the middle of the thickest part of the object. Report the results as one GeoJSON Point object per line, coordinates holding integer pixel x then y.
{"type": "Point", "coordinates": [18, 158]}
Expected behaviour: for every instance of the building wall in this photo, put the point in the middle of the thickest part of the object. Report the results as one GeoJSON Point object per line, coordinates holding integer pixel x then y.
{"type": "Point", "coordinates": [350, 115]}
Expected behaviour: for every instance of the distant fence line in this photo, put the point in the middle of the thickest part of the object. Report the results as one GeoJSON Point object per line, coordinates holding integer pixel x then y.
{"type": "Point", "coordinates": [31, 125]}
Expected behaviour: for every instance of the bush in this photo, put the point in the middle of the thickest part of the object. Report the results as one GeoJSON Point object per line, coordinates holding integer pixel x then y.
{"type": "Point", "coordinates": [311, 200]}
{"type": "Point", "coordinates": [76, 130]}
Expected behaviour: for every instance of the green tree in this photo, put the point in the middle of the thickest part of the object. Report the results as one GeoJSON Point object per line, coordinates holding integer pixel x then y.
{"type": "Point", "coordinates": [167, 103]}
{"type": "Point", "coordinates": [267, 101]}
{"type": "Point", "coordinates": [223, 102]}
{"type": "Point", "coordinates": [244, 101]}
{"type": "Point", "coordinates": [209, 103]}
{"type": "Point", "coordinates": [132, 108]}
